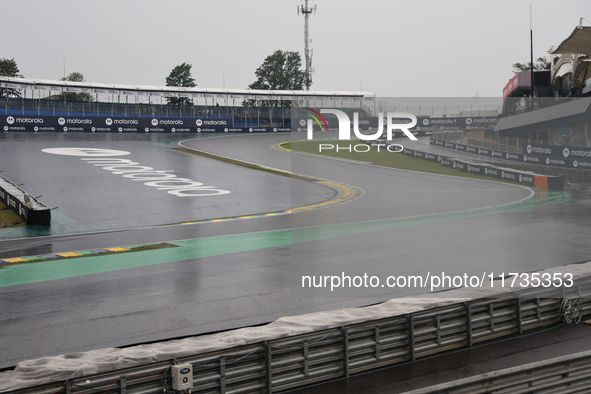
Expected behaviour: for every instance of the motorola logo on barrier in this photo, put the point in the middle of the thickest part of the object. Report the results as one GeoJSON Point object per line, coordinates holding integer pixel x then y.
{"type": "Point", "coordinates": [345, 129]}
{"type": "Point", "coordinates": [12, 120]}
{"type": "Point", "coordinates": [159, 179]}
{"type": "Point", "coordinates": [538, 149]}
{"type": "Point", "coordinates": [576, 152]}
{"type": "Point", "coordinates": [211, 122]}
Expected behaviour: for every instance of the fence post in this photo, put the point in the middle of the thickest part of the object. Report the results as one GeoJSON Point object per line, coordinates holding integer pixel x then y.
{"type": "Point", "coordinates": [518, 314]}
{"type": "Point", "coordinates": [123, 385]}
{"type": "Point", "coordinates": [411, 337]}
{"type": "Point", "coordinates": [438, 330]}
{"type": "Point", "coordinates": [468, 323]}
{"type": "Point", "coordinates": [306, 363]}
{"type": "Point", "coordinates": [223, 375]}
{"type": "Point", "coordinates": [378, 343]}
{"type": "Point", "coordinates": [492, 317]}
{"type": "Point", "coordinates": [268, 367]}
{"type": "Point", "coordinates": [345, 344]}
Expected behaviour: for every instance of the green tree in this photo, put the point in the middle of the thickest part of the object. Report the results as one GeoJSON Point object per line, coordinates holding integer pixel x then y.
{"type": "Point", "coordinates": [280, 71]}
{"type": "Point", "coordinates": [541, 63]}
{"type": "Point", "coordinates": [8, 68]}
{"type": "Point", "coordinates": [75, 77]}
{"type": "Point", "coordinates": [180, 76]}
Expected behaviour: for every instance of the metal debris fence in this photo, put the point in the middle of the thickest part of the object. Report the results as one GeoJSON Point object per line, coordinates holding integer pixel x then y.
{"type": "Point", "coordinates": [282, 364]}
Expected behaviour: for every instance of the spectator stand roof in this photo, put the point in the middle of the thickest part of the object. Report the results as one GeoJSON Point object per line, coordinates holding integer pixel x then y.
{"type": "Point", "coordinates": [171, 91]}
{"type": "Point", "coordinates": [579, 42]}
{"type": "Point", "coordinates": [553, 116]}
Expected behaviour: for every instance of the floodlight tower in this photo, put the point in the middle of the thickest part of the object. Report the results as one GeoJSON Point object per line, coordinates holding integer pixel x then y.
{"type": "Point", "coordinates": [306, 11]}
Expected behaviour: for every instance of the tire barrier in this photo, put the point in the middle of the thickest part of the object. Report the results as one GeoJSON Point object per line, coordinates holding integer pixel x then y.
{"type": "Point", "coordinates": [28, 208]}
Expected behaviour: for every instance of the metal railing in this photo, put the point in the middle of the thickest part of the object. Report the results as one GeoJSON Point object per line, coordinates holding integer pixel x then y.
{"type": "Point", "coordinates": [489, 139]}
{"type": "Point", "coordinates": [567, 374]}
{"type": "Point", "coordinates": [282, 364]}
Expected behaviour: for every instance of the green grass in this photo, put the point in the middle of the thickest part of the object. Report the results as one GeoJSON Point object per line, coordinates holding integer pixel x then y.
{"type": "Point", "coordinates": [382, 158]}
{"type": "Point", "coordinates": [9, 218]}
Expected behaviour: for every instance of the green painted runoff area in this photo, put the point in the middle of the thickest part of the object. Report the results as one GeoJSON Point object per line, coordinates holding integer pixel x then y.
{"type": "Point", "coordinates": [12, 275]}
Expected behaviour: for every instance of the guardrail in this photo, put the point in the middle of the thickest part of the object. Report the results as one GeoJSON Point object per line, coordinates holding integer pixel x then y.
{"type": "Point", "coordinates": [287, 363]}
{"type": "Point", "coordinates": [478, 168]}
{"type": "Point", "coordinates": [568, 168]}
{"type": "Point", "coordinates": [567, 374]}
{"type": "Point", "coordinates": [28, 208]}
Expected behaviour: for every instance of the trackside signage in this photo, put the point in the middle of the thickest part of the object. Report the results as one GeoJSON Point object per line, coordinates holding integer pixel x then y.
{"type": "Point", "coordinates": [460, 123]}
{"type": "Point", "coordinates": [10, 123]}
{"type": "Point", "coordinates": [558, 151]}
{"type": "Point", "coordinates": [544, 155]}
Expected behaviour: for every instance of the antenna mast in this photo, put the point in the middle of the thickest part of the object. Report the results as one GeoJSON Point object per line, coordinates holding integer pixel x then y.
{"type": "Point", "coordinates": [306, 11]}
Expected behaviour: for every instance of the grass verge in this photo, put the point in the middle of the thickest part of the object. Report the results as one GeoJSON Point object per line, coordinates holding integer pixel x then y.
{"type": "Point", "coordinates": [382, 158]}
{"type": "Point", "coordinates": [9, 218]}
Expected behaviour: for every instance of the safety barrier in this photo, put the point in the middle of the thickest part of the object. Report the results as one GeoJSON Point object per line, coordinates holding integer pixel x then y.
{"type": "Point", "coordinates": [567, 374]}
{"type": "Point", "coordinates": [282, 364]}
{"type": "Point", "coordinates": [27, 207]}
{"type": "Point", "coordinates": [528, 178]}
{"type": "Point", "coordinates": [580, 163]}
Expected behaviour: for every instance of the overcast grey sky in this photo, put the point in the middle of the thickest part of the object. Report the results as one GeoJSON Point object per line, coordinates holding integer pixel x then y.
{"type": "Point", "coordinates": [394, 48]}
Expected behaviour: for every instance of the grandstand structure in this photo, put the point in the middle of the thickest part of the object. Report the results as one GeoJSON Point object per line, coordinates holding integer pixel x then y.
{"type": "Point", "coordinates": [246, 108]}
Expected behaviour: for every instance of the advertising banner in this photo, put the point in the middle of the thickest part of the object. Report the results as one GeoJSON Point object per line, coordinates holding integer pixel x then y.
{"type": "Point", "coordinates": [476, 169]}
{"type": "Point", "coordinates": [10, 123]}
{"type": "Point", "coordinates": [462, 148]}
{"type": "Point", "coordinates": [459, 165]}
{"type": "Point", "coordinates": [557, 151]}
{"type": "Point", "coordinates": [534, 158]}
{"type": "Point", "coordinates": [459, 123]}
{"type": "Point", "coordinates": [492, 171]}
{"type": "Point", "coordinates": [496, 154]}
{"type": "Point", "coordinates": [432, 157]}
{"type": "Point", "coordinates": [446, 162]}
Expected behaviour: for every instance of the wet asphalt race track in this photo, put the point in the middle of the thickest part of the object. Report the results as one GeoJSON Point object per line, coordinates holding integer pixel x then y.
{"type": "Point", "coordinates": [406, 223]}
{"type": "Point", "coordinates": [97, 193]}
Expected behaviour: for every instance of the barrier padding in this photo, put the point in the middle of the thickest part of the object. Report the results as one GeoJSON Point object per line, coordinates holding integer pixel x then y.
{"type": "Point", "coordinates": [541, 181]}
